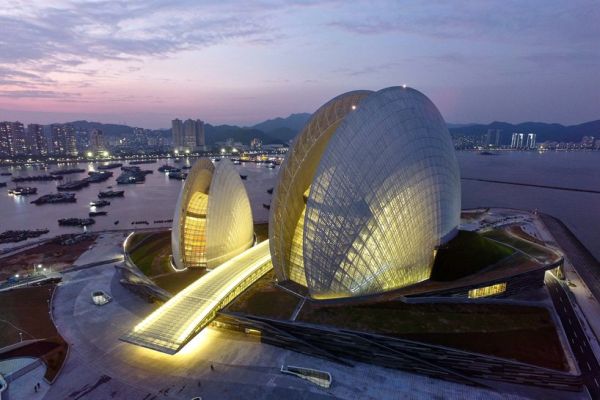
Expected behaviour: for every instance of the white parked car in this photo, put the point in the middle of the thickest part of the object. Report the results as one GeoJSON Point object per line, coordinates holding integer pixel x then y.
{"type": "Point", "coordinates": [100, 297]}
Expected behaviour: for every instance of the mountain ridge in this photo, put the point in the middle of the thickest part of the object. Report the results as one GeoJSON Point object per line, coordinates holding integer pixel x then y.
{"type": "Point", "coordinates": [282, 130]}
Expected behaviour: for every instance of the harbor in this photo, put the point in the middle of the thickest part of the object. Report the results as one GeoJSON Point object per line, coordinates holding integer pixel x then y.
{"type": "Point", "coordinates": [151, 201]}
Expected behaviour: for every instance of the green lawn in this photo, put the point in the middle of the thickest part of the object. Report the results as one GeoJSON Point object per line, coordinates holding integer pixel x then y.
{"type": "Point", "coordinates": [522, 333]}
{"type": "Point", "coordinates": [518, 243]}
{"type": "Point", "coordinates": [152, 256]}
{"type": "Point", "coordinates": [466, 254]}
{"type": "Point", "coordinates": [265, 300]}
{"type": "Point", "coordinates": [137, 238]}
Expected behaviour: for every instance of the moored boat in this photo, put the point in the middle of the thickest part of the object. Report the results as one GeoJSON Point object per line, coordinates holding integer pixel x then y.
{"type": "Point", "coordinates": [22, 191]}
{"type": "Point", "coordinates": [111, 193]}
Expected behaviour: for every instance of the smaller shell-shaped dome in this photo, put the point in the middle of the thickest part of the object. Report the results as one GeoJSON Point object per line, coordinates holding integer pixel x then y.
{"type": "Point", "coordinates": [213, 218]}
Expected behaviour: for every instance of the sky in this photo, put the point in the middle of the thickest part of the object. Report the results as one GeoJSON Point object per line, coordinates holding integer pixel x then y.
{"type": "Point", "coordinates": [146, 62]}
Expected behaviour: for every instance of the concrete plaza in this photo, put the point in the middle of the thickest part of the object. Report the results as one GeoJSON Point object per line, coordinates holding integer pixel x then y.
{"type": "Point", "coordinates": [100, 366]}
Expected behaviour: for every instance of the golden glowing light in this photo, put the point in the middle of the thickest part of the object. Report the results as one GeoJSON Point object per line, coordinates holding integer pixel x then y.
{"type": "Point", "coordinates": [487, 291]}
{"type": "Point", "coordinates": [173, 325]}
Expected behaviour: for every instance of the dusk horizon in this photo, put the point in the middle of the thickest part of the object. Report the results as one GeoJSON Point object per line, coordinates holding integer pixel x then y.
{"type": "Point", "coordinates": [234, 63]}
{"type": "Point", "coordinates": [299, 199]}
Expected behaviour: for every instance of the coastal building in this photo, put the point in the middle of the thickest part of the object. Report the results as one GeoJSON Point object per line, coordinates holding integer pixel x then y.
{"type": "Point", "coordinates": [177, 132]}
{"type": "Point", "coordinates": [369, 189]}
{"type": "Point", "coordinates": [140, 137]}
{"type": "Point", "coordinates": [492, 138]}
{"type": "Point", "coordinates": [256, 144]}
{"type": "Point", "coordinates": [517, 140]}
{"type": "Point", "coordinates": [213, 218]}
{"type": "Point", "coordinates": [16, 141]}
{"type": "Point", "coordinates": [188, 135]}
{"type": "Point", "coordinates": [530, 141]}
{"type": "Point", "coordinates": [6, 138]}
{"type": "Point", "coordinates": [523, 141]}
{"type": "Point", "coordinates": [97, 142]}
{"type": "Point", "coordinates": [37, 140]}
{"type": "Point", "coordinates": [20, 143]}
{"type": "Point", "coordinates": [64, 140]}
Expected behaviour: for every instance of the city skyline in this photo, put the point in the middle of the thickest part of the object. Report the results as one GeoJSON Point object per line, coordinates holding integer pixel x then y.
{"type": "Point", "coordinates": [142, 64]}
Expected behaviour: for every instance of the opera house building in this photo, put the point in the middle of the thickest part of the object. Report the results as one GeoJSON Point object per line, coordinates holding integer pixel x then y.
{"type": "Point", "coordinates": [366, 211]}
{"type": "Point", "coordinates": [213, 218]}
{"type": "Point", "coordinates": [368, 191]}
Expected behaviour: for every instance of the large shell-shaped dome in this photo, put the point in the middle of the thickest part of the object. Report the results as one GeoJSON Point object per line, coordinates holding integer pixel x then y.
{"type": "Point", "coordinates": [213, 218]}
{"type": "Point", "coordinates": [385, 194]}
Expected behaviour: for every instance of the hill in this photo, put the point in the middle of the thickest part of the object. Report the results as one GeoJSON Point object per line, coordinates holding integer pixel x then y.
{"type": "Point", "coordinates": [544, 131]}
{"type": "Point", "coordinates": [220, 133]}
{"type": "Point", "coordinates": [293, 123]}
{"type": "Point", "coordinates": [107, 129]}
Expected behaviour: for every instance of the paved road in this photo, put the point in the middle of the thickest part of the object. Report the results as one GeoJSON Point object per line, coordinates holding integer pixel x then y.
{"type": "Point", "coordinates": [590, 369]}
{"type": "Point", "coordinates": [570, 189]}
{"type": "Point", "coordinates": [583, 261]}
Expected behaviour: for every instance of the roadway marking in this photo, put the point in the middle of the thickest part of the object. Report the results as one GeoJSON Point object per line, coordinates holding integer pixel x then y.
{"type": "Point", "coordinates": [588, 365]}
{"type": "Point", "coordinates": [596, 382]}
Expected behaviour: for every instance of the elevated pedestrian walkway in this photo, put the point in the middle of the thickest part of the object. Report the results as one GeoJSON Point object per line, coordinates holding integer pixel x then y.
{"type": "Point", "coordinates": [175, 323]}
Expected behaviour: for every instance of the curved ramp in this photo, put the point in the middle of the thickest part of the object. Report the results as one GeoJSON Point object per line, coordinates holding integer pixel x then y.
{"type": "Point", "coordinates": [176, 322]}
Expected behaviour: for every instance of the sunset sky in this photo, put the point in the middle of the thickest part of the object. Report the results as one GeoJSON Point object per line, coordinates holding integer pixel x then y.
{"type": "Point", "coordinates": [240, 62]}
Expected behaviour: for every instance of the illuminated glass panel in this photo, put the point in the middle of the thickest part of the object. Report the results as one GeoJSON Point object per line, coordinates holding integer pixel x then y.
{"type": "Point", "coordinates": [191, 208]}
{"type": "Point", "coordinates": [295, 176]}
{"type": "Point", "coordinates": [487, 291]}
{"type": "Point", "coordinates": [177, 321]}
{"type": "Point", "coordinates": [230, 228]}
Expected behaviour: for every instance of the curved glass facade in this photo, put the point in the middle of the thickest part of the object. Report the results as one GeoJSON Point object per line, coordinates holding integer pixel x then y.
{"type": "Point", "coordinates": [213, 218]}
{"type": "Point", "coordinates": [384, 193]}
{"type": "Point", "coordinates": [286, 221]}
{"type": "Point", "coordinates": [229, 227]}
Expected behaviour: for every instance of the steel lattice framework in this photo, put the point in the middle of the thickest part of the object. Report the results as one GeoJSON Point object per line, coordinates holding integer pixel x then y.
{"type": "Point", "coordinates": [286, 220]}
{"type": "Point", "coordinates": [363, 210]}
